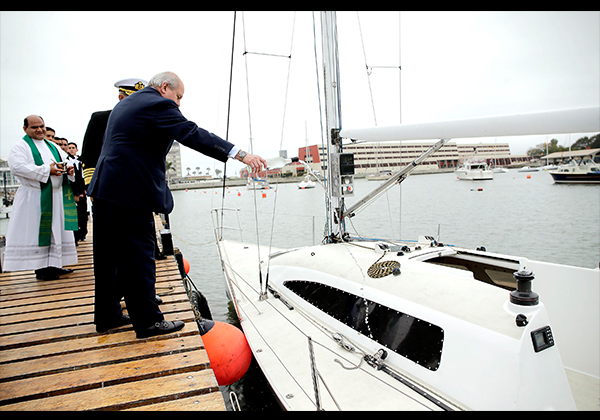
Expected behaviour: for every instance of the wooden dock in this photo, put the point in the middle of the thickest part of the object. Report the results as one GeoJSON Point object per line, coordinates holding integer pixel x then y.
{"type": "Point", "coordinates": [52, 358]}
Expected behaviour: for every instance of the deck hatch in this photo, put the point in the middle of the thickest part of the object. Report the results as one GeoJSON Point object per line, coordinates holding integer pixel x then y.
{"type": "Point", "coordinates": [410, 337]}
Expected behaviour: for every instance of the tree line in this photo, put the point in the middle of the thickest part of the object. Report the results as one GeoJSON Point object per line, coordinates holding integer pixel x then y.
{"type": "Point", "coordinates": [553, 146]}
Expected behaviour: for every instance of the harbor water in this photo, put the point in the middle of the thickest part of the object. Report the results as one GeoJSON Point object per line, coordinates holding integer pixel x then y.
{"type": "Point", "coordinates": [517, 213]}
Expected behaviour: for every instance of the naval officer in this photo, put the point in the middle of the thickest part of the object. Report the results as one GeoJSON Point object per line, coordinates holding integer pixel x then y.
{"type": "Point", "coordinates": [128, 185]}
{"type": "Point", "coordinates": [92, 140]}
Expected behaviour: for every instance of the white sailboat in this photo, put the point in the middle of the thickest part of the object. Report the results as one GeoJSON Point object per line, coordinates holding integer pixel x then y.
{"type": "Point", "coordinates": [353, 324]}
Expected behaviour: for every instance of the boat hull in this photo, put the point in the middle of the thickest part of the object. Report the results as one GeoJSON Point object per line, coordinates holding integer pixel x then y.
{"type": "Point", "coordinates": [573, 178]}
{"type": "Point", "coordinates": [278, 327]}
{"type": "Point", "coordinates": [474, 175]}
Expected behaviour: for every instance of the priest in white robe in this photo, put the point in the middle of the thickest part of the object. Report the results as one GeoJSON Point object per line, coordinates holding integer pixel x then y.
{"type": "Point", "coordinates": [36, 238]}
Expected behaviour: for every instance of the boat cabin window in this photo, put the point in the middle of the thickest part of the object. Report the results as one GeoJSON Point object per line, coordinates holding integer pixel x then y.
{"type": "Point", "coordinates": [410, 337]}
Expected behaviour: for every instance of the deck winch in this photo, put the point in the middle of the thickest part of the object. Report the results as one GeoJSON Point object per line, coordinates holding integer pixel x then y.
{"type": "Point", "coordinates": [523, 295]}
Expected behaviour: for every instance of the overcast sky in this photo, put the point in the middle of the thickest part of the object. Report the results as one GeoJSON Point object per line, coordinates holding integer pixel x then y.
{"type": "Point", "coordinates": [62, 66]}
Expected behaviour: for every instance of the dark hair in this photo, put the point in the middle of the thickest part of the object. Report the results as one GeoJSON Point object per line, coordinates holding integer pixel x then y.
{"type": "Point", "coordinates": [50, 129]}
{"type": "Point", "coordinates": [73, 143]}
{"type": "Point", "coordinates": [26, 122]}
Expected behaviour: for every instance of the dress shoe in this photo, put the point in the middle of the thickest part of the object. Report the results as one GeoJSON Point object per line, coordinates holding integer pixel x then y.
{"type": "Point", "coordinates": [158, 300]}
{"type": "Point", "coordinates": [123, 320]}
{"type": "Point", "coordinates": [45, 274]}
{"type": "Point", "coordinates": [62, 271]}
{"type": "Point", "coordinates": [159, 328]}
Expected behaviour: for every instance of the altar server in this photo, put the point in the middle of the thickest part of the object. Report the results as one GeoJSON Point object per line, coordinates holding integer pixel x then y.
{"type": "Point", "coordinates": [40, 231]}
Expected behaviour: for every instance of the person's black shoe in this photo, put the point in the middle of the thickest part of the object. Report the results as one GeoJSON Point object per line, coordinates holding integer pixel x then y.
{"type": "Point", "coordinates": [45, 274]}
{"type": "Point", "coordinates": [159, 328]}
{"type": "Point", "coordinates": [123, 320]}
{"type": "Point", "coordinates": [158, 300]}
{"type": "Point", "coordinates": [61, 271]}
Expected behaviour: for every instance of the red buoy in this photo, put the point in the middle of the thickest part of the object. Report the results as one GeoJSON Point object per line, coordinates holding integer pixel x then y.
{"type": "Point", "coordinates": [186, 266]}
{"type": "Point", "coordinates": [227, 349]}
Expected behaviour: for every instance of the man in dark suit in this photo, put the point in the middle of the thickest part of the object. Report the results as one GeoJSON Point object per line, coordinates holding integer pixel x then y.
{"type": "Point", "coordinates": [128, 185]}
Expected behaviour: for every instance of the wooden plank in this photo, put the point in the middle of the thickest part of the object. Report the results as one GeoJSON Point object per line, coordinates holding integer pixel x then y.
{"type": "Point", "coordinates": [57, 323]}
{"type": "Point", "coordinates": [102, 376]}
{"type": "Point", "coordinates": [39, 304]}
{"type": "Point", "coordinates": [133, 349]}
{"type": "Point", "coordinates": [52, 358]}
{"type": "Point", "coordinates": [78, 343]}
{"type": "Point", "coordinates": [127, 395]}
{"type": "Point", "coordinates": [208, 402]}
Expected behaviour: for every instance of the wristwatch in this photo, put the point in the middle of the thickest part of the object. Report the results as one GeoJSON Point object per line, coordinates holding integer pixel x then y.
{"type": "Point", "coordinates": [241, 155]}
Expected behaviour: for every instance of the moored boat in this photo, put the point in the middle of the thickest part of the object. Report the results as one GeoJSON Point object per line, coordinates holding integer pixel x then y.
{"type": "Point", "coordinates": [474, 170]}
{"type": "Point", "coordinates": [257, 184]}
{"type": "Point", "coordinates": [586, 171]}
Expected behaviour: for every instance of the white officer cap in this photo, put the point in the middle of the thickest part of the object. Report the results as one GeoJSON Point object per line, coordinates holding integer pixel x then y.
{"type": "Point", "coordinates": [129, 86]}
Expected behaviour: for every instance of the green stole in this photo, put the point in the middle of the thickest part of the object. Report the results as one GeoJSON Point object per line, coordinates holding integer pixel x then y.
{"type": "Point", "coordinates": [46, 196]}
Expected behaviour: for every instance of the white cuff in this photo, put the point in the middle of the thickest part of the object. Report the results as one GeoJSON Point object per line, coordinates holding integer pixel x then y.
{"type": "Point", "coordinates": [233, 152]}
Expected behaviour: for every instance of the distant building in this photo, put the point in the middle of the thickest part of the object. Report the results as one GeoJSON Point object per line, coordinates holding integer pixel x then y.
{"type": "Point", "coordinates": [370, 158]}
{"type": "Point", "coordinates": [174, 156]}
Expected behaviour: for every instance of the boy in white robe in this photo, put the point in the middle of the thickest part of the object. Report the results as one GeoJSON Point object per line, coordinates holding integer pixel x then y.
{"type": "Point", "coordinates": [23, 250]}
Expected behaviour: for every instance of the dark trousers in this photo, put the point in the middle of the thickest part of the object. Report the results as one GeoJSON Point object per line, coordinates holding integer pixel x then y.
{"type": "Point", "coordinates": [82, 218]}
{"type": "Point", "coordinates": [124, 264]}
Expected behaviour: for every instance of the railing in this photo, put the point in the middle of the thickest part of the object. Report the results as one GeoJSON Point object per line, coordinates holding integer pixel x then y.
{"type": "Point", "coordinates": [218, 224]}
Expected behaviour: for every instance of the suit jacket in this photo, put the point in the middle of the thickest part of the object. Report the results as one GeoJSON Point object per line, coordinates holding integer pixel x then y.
{"type": "Point", "coordinates": [92, 140]}
{"type": "Point", "coordinates": [140, 131]}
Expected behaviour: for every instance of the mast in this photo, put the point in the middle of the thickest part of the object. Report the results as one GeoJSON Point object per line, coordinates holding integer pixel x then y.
{"type": "Point", "coordinates": [338, 186]}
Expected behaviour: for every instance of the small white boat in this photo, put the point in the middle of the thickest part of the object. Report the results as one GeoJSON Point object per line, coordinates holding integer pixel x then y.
{"type": "Point", "coordinates": [380, 176]}
{"type": "Point", "coordinates": [529, 169]}
{"type": "Point", "coordinates": [550, 167]}
{"type": "Point", "coordinates": [499, 170]}
{"type": "Point", "coordinates": [257, 184]}
{"type": "Point", "coordinates": [306, 183]}
{"type": "Point", "coordinates": [474, 170]}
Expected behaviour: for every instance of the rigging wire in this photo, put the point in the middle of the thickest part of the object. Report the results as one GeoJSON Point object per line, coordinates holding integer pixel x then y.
{"type": "Point", "coordinates": [369, 71]}
{"type": "Point", "coordinates": [246, 53]}
{"type": "Point", "coordinates": [252, 152]}
{"type": "Point", "coordinates": [287, 85]}
{"type": "Point", "coordinates": [367, 68]}
{"type": "Point", "coordinates": [228, 115]}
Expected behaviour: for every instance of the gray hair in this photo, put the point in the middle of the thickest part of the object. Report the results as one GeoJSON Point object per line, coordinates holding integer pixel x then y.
{"type": "Point", "coordinates": [166, 76]}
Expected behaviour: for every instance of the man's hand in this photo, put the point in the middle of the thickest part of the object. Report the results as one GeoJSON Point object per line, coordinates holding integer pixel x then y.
{"type": "Point", "coordinates": [255, 162]}
{"type": "Point", "coordinates": [57, 169]}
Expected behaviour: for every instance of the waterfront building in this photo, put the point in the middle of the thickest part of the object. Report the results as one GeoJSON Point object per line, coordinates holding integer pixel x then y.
{"type": "Point", "coordinates": [174, 156]}
{"type": "Point", "coordinates": [371, 158]}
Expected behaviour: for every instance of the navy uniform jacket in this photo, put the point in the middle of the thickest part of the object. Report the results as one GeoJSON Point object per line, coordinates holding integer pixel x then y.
{"type": "Point", "coordinates": [131, 168]}
{"type": "Point", "coordinates": [92, 140]}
